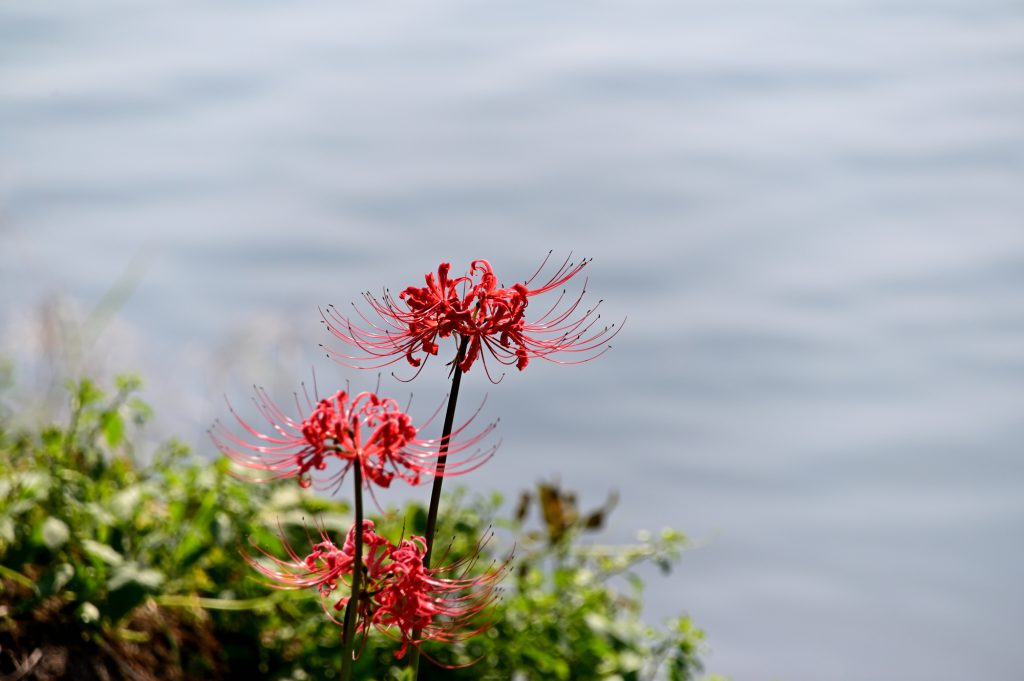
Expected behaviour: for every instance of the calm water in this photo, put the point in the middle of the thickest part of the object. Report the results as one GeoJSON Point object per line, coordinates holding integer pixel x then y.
{"type": "Point", "coordinates": [811, 212]}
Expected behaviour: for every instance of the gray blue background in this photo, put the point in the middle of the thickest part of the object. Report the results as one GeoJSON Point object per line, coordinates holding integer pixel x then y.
{"type": "Point", "coordinates": [812, 214]}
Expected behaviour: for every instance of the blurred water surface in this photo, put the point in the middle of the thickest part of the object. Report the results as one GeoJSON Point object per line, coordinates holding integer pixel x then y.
{"type": "Point", "coordinates": [811, 212]}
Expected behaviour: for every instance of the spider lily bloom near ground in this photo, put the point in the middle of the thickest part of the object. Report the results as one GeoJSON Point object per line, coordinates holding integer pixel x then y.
{"type": "Point", "coordinates": [479, 315]}
{"type": "Point", "coordinates": [400, 597]}
{"type": "Point", "coordinates": [442, 603]}
{"type": "Point", "coordinates": [363, 429]}
{"type": "Point", "coordinates": [323, 568]}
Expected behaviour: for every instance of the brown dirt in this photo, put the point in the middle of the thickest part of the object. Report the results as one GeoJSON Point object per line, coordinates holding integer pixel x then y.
{"type": "Point", "coordinates": [48, 644]}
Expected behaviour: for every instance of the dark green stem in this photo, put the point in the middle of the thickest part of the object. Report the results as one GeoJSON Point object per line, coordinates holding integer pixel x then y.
{"type": "Point", "coordinates": [352, 610]}
{"type": "Point", "coordinates": [435, 492]}
{"type": "Point", "coordinates": [442, 458]}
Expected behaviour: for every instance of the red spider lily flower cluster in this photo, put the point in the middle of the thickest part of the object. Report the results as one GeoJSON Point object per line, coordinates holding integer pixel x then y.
{"type": "Point", "coordinates": [380, 585]}
{"type": "Point", "coordinates": [357, 430]}
{"type": "Point", "coordinates": [474, 309]}
{"type": "Point", "coordinates": [400, 596]}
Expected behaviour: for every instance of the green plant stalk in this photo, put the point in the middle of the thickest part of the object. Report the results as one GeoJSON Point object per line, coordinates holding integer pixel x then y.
{"type": "Point", "coordinates": [21, 579]}
{"type": "Point", "coordinates": [435, 492]}
{"type": "Point", "coordinates": [349, 629]}
{"type": "Point", "coordinates": [442, 458]}
{"type": "Point", "coordinates": [206, 603]}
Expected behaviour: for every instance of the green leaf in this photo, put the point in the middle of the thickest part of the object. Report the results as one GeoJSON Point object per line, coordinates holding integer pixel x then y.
{"type": "Point", "coordinates": [127, 383]}
{"type": "Point", "coordinates": [54, 533]}
{"type": "Point", "coordinates": [88, 393]}
{"type": "Point", "coordinates": [52, 438]}
{"type": "Point", "coordinates": [139, 410]}
{"type": "Point", "coordinates": [113, 428]}
{"type": "Point", "coordinates": [19, 578]}
{"type": "Point", "coordinates": [133, 573]}
{"type": "Point", "coordinates": [102, 552]}
{"type": "Point", "coordinates": [129, 586]}
{"type": "Point", "coordinates": [125, 503]}
{"type": "Point", "coordinates": [56, 579]}
{"type": "Point", "coordinates": [32, 484]}
{"type": "Point", "coordinates": [7, 530]}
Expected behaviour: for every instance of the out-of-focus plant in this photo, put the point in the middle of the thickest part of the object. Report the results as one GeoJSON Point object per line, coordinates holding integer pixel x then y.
{"type": "Point", "coordinates": [131, 571]}
{"type": "Point", "coordinates": [128, 562]}
{"type": "Point", "coordinates": [573, 609]}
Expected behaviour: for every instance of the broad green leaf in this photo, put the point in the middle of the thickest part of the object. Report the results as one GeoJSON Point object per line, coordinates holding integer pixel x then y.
{"type": "Point", "coordinates": [129, 586]}
{"type": "Point", "coordinates": [32, 484]}
{"type": "Point", "coordinates": [102, 552]}
{"type": "Point", "coordinates": [113, 428]}
{"type": "Point", "coordinates": [133, 573]}
{"type": "Point", "coordinates": [125, 503]}
{"type": "Point", "coordinates": [54, 533]}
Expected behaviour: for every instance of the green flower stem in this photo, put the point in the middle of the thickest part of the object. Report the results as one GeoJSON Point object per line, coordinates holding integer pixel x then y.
{"type": "Point", "coordinates": [21, 579]}
{"type": "Point", "coordinates": [435, 492]}
{"type": "Point", "coordinates": [449, 421]}
{"type": "Point", "coordinates": [189, 601]}
{"type": "Point", "coordinates": [351, 611]}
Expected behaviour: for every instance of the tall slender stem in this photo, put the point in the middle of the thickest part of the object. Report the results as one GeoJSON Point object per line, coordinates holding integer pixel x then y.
{"type": "Point", "coordinates": [351, 611]}
{"type": "Point", "coordinates": [435, 492]}
{"type": "Point", "coordinates": [442, 458]}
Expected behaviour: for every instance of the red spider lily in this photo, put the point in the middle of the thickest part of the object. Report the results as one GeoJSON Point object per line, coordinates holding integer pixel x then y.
{"type": "Point", "coordinates": [364, 430]}
{"type": "Point", "coordinates": [399, 596]}
{"type": "Point", "coordinates": [432, 604]}
{"type": "Point", "coordinates": [323, 568]}
{"type": "Point", "coordinates": [474, 309]}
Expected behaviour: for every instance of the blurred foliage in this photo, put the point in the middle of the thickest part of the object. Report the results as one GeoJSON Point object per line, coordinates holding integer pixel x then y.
{"type": "Point", "coordinates": [137, 569]}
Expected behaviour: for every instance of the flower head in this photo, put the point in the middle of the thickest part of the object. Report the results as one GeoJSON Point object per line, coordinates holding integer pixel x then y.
{"type": "Point", "coordinates": [441, 603]}
{"type": "Point", "coordinates": [323, 568]}
{"type": "Point", "coordinates": [362, 430]}
{"type": "Point", "coordinates": [399, 596]}
{"type": "Point", "coordinates": [479, 314]}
